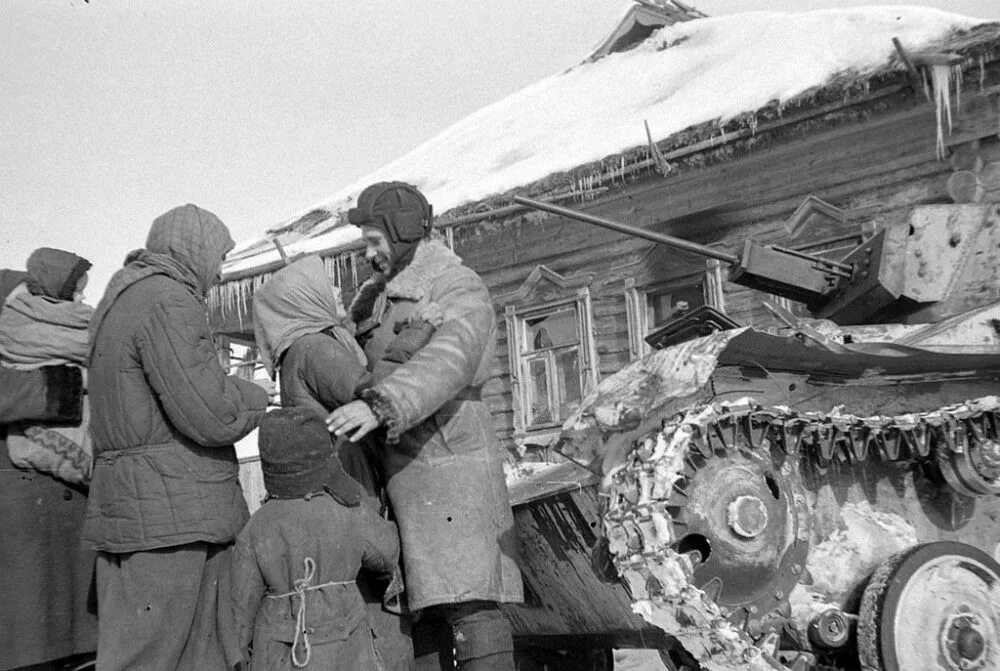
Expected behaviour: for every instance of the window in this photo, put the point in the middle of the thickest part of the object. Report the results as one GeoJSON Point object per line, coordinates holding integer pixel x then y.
{"type": "Point", "coordinates": [551, 362]}
{"type": "Point", "coordinates": [666, 304]}
{"type": "Point", "coordinates": [652, 306]}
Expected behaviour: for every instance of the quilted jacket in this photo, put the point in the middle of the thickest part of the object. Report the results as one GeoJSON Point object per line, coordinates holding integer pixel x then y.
{"type": "Point", "coordinates": [164, 415]}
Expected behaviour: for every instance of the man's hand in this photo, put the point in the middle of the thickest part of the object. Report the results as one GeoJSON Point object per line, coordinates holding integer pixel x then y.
{"type": "Point", "coordinates": [355, 416]}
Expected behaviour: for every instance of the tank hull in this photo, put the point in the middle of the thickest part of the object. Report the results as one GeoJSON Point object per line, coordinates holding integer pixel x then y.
{"type": "Point", "coordinates": [845, 504]}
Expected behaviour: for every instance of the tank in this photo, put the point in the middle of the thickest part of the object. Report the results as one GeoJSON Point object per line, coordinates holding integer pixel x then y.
{"type": "Point", "coordinates": [816, 497]}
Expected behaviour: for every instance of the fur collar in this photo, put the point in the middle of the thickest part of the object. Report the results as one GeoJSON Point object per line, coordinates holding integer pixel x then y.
{"type": "Point", "coordinates": [431, 258]}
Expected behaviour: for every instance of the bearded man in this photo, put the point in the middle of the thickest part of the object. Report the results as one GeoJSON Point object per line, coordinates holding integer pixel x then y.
{"type": "Point", "coordinates": [442, 457]}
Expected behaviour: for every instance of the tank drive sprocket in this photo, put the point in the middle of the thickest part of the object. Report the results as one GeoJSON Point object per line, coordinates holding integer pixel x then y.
{"type": "Point", "coordinates": [748, 526]}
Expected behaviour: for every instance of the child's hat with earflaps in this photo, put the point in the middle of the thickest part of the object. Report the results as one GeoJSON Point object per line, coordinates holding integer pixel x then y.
{"type": "Point", "coordinates": [297, 457]}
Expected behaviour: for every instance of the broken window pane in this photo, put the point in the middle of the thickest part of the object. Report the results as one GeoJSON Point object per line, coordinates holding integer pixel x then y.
{"type": "Point", "coordinates": [664, 305]}
{"type": "Point", "coordinates": [568, 372]}
{"type": "Point", "coordinates": [538, 392]}
{"type": "Point", "coordinates": [554, 329]}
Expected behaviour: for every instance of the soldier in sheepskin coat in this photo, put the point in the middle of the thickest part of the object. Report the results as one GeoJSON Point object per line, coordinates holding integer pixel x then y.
{"type": "Point", "coordinates": [443, 459]}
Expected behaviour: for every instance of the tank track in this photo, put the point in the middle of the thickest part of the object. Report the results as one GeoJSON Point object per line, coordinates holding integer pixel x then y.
{"type": "Point", "coordinates": [640, 522]}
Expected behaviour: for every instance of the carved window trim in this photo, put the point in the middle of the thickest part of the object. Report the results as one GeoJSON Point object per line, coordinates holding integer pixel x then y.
{"type": "Point", "coordinates": [712, 280]}
{"type": "Point", "coordinates": [520, 355]}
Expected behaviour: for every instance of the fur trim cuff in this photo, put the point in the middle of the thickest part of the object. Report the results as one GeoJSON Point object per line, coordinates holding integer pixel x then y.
{"type": "Point", "coordinates": [383, 408]}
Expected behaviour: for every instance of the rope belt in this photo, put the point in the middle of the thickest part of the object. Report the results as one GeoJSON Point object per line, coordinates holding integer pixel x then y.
{"type": "Point", "coordinates": [301, 587]}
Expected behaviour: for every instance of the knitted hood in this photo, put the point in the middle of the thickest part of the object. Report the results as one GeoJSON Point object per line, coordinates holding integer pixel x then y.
{"type": "Point", "coordinates": [186, 244]}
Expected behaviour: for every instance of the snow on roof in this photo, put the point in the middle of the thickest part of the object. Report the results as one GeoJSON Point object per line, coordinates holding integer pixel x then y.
{"type": "Point", "coordinates": [685, 74]}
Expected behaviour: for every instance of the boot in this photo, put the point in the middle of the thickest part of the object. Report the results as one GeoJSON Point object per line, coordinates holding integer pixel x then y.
{"type": "Point", "coordinates": [482, 637]}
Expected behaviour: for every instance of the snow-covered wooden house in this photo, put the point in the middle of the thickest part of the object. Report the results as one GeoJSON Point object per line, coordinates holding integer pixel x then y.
{"type": "Point", "coordinates": [804, 129]}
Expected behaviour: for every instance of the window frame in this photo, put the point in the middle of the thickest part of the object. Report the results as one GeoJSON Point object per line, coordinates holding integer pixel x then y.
{"type": "Point", "coordinates": [521, 355]}
{"type": "Point", "coordinates": [636, 306]}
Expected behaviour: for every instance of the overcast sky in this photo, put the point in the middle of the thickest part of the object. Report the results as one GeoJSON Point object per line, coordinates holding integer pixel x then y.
{"type": "Point", "coordinates": [112, 112]}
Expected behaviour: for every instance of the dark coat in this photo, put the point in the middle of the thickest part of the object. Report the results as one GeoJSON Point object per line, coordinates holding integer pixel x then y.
{"type": "Point", "coordinates": [298, 324]}
{"type": "Point", "coordinates": [443, 459]}
{"type": "Point", "coordinates": [270, 556]}
{"type": "Point", "coordinates": [320, 374]}
{"type": "Point", "coordinates": [164, 415]}
{"type": "Point", "coordinates": [46, 573]}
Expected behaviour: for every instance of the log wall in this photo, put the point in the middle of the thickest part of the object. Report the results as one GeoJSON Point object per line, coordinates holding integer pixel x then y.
{"type": "Point", "coordinates": [871, 156]}
{"type": "Point", "coordinates": [869, 159]}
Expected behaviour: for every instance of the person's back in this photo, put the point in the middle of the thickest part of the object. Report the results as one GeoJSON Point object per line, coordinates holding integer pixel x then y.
{"type": "Point", "coordinates": [282, 541]}
{"type": "Point", "coordinates": [165, 499]}
{"type": "Point", "coordinates": [45, 323]}
{"type": "Point", "coordinates": [296, 562]}
{"type": "Point", "coordinates": [41, 523]}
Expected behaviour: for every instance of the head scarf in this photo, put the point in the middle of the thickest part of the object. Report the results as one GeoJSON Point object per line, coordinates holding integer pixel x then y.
{"type": "Point", "coordinates": [298, 300]}
{"type": "Point", "coordinates": [187, 244]}
{"type": "Point", "coordinates": [55, 273]}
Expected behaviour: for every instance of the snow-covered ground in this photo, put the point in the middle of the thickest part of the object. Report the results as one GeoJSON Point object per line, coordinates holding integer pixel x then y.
{"type": "Point", "coordinates": [685, 74]}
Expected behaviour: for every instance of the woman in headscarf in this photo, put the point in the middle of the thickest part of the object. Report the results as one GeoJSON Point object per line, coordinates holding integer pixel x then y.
{"type": "Point", "coordinates": [303, 333]}
{"type": "Point", "coordinates": [305, 340]}
{"type": "Point", "coordinates": [44, 322]}
{"type": "Point", "coordinates": [46, 575]}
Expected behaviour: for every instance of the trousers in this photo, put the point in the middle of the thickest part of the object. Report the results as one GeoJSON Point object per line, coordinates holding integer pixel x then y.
{"type": "Point", "coordinates": [165, 610]}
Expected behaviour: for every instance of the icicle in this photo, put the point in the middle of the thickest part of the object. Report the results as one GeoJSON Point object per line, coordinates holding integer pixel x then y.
{"type": "Point", "coordinates": [982, 73]}
{"type": "Point", "coordinates": [941, 80]}
{"type": "Point", "coordinates": [956, 74]}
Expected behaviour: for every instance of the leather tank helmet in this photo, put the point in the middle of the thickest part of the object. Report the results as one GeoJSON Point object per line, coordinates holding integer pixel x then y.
{"type": "Point", "coordinates": [397, 208]}
{"type": "Point", "coordinates": [400, 211]}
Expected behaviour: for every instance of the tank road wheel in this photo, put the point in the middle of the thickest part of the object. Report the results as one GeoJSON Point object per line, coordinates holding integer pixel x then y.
{"type": "Point", "coordinates": [973, 471]}
{"type": "Point", "coordinates": [935, 606]}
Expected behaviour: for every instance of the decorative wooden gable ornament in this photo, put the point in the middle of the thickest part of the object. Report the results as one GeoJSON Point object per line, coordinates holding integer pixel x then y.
{"type": "Point", "coordinates": [543, 286]}
{"type": "Point", "coordinates": [813, 211]}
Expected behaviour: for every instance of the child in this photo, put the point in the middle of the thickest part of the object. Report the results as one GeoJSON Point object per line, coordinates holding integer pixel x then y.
{"type": "Point", "coordinates": [44, 322]}
{"type": "Point", "coordinates": [295, 563]}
